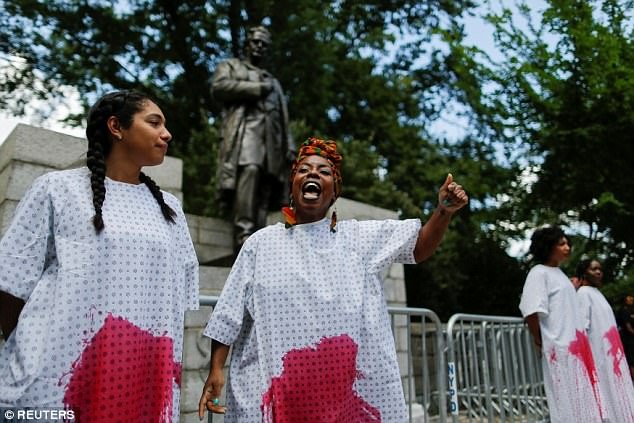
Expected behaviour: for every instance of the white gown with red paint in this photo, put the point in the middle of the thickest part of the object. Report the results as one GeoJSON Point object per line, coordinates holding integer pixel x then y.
{"type": "Point", "coordinates": [570, 376]}
{"type": "Point", "coordinates": [614, 373]}
{"type": "Point", "coordinates": [306, 313]}
{"type": "Point", "coordinates": [101, 332]}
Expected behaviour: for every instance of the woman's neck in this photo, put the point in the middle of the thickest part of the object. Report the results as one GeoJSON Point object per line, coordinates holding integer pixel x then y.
{"type": "Point", "coordinates": [122, 171]}
{"type": "Point", "coordinates": [308, 218]}
{"type": "Point", "coordinates": [301, 221]}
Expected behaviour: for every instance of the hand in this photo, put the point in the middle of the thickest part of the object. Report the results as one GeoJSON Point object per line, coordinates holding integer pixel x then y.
{"type": "Point", "coordinates": [211, 394]}
{"type": "Point", "coordinates": [451, 196]}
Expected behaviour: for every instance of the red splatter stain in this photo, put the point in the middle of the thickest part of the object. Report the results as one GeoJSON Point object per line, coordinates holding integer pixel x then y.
{"type": "Point", "coordinates": [123, 374]}
{"type": "Point", "coordinates": [616, 349]}
{"type": "Point", "coordinates": [553, 355]}
{"type": "Point", "coordinates": [580, 348]}
{"type": "Point", "coordinates": [317, 385]}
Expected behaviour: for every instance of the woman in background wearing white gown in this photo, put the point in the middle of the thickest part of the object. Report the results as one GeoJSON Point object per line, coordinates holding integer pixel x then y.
{"type": "Point", "coordinates": [600, 324]}
{"type": "Point", "coordinates": [550, 308]}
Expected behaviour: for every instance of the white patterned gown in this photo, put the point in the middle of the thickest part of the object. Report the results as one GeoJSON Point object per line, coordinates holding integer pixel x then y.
{"type": "Point", "coordinates": [101, 332]}
{"type": "Point", "coordinates": [306, 313]}
{"type": "Point", "coordinates": [614, 373]}
{"type": "Point", "coordinates": [570, 376]}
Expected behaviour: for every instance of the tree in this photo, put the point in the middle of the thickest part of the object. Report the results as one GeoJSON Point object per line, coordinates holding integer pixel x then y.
{"type": "Point", "coordinates": [333, 60]}
{"type": "Point", "coordinates": [170, 50]}
{"type": "Point", "coordinates": [564, 92]}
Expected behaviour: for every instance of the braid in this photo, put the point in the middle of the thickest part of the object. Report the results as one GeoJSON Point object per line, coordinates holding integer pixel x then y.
{"type": "Point", "coordinates": [167, 211]}
{"type": "Point", "coordinates": [97, 165]}
{"type": "Point", "coordinates": [98, 139]}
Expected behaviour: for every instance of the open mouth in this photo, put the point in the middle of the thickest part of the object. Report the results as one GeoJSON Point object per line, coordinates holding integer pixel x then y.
{"type": "Point", "coordinates": [311, 190]}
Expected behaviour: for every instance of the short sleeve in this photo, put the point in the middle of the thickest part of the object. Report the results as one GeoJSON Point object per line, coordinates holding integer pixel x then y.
{"type": "Point", "coordinates": [25, 246]}
{"type": "Point", "coordinates": [384, 242]}
{"type": "Point", "coordinates": [227, 318]}
{"type": "Point", "coordinates": [186, 258]}
{"type": "Point", "coordinates": [535, 293]}
{"type": "Point", "coordinates": [189, 262]}
{"type": "Point", "coordinates": [585, 306]}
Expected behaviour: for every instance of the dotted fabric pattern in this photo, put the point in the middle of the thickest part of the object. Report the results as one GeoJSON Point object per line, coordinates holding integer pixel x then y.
{"type": "Point", "coordinates": [141, 270]}
{"type": "Point", "coordinates": [295, 291]}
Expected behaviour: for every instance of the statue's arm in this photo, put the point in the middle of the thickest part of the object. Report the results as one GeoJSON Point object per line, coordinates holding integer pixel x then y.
{"type": "Point", "coordinates": [226, 86]}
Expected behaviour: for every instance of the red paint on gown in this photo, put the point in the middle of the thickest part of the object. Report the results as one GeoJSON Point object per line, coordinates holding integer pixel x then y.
{"type": "Point", "coordinates": [580, 348]}
{"type": "Point", "coordinates": [553, 355]}
{"type": "Point", "coordinates": [616, 349]}
{"type": "Point", "coordinates": [123, 374]}
{"type": "Point", "coordinates": [317, 385]}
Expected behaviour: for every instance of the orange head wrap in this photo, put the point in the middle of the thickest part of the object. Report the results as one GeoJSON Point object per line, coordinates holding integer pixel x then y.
{"type": "Point", "coordinates": [326, 149]}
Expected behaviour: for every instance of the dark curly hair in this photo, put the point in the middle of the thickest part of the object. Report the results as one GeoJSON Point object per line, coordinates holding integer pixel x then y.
{"type": "Point", "coordinates": [123, 105]}
{"type": "Point", "coordinates": [544, 240]}
{"type": "Point", "coordinates": [580, 271]}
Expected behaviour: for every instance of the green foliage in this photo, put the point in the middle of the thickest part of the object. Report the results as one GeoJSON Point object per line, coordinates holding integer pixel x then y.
{"type": "Point", "coordinates": [469, 274]}
{"type": "Point", "coordinates": [563, 92]}
{"type": "Point", "coordinates": [345, 79]}
{"type": "Point", "coordinates": [615, 291]}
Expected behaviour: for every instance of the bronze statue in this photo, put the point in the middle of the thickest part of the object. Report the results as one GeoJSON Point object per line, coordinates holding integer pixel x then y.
{"type": "Point", "coordinates": [256, 144]}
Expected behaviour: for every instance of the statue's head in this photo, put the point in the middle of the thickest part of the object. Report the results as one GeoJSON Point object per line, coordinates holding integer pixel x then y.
{"type": "Point", "coordinates": [258, 42]}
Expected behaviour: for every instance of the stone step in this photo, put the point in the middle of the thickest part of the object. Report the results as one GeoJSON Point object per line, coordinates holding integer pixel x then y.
{"type": "Point", "coordinates": [212, 279]}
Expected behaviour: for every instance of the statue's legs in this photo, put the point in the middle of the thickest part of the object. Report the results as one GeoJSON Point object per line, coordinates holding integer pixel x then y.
{"type": "Point", "coordinates": [251, 203]}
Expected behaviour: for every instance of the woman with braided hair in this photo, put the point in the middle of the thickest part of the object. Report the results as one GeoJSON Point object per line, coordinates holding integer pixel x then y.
{"type": "Point", "coordinates": [305, 311]}
{"type": "Point", "coordinates": [96, 271]}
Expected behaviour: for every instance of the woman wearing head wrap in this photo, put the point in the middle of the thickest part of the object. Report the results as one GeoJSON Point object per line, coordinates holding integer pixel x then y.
{"type": "Point", "coordinates": [598, 320]}
{"type": "Point", "coordinates": [305, 311]}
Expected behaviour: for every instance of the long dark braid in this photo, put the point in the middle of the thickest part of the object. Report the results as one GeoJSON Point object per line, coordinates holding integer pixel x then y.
{"type": "Point", "coordinates": [97, 165]}
{"type": "Point", "coordinates": [167, 211]}
{"type": "Point", "coordinates": [123, 105]}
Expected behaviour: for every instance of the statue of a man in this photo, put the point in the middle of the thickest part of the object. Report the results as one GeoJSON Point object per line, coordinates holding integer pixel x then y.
{"type": "Point", "coordinates": [256, 144]}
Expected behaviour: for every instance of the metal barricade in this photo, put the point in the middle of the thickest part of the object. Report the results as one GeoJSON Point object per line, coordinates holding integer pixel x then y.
{"type": "Point", "coordinates": [426, 347]}
{"type": "Point", "coordinates": [494, 372]}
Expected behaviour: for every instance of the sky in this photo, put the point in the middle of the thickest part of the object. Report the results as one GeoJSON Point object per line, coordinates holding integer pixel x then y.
{"type": "Point", "coordinates": [7, 123]}
{"type": "Point", "coordinates": [449, 126]}
{"type": "Point", "coordinates": [70, 104]}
